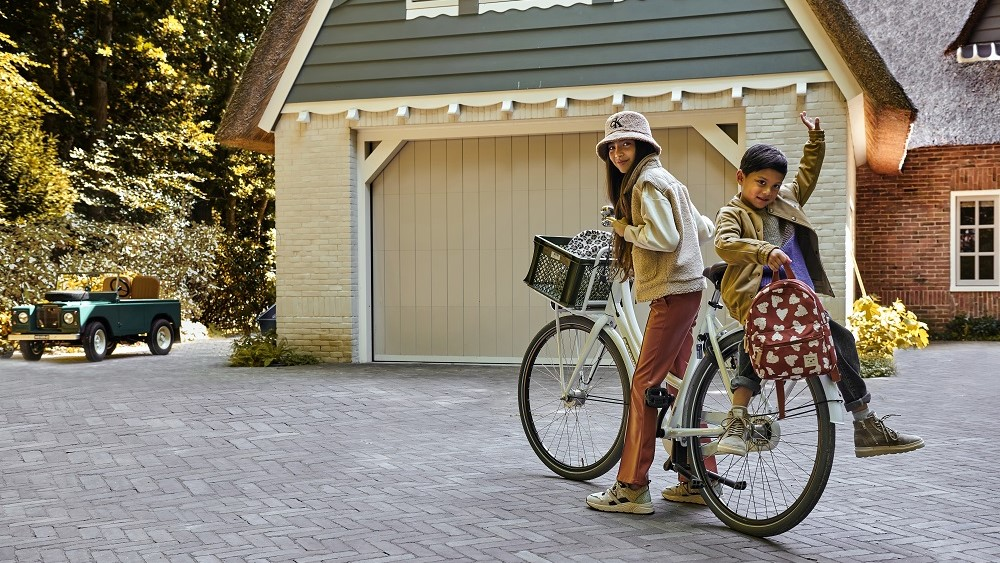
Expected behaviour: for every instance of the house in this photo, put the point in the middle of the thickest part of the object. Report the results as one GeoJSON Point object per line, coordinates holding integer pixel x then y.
{"type": "Point", "coordinates": [420, 144]}
{"type": "Point", "coordinates": [929, 235]}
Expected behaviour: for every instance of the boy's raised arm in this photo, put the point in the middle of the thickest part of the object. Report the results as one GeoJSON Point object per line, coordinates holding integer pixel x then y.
{"type": "Point", "coordinates": [812, 160]}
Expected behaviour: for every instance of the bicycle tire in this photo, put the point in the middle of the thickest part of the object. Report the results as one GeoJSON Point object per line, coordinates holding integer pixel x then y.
{"type": "Point", "coordinates": [579, 437]}
{"type": "Point", "coordinates": [788, 463]}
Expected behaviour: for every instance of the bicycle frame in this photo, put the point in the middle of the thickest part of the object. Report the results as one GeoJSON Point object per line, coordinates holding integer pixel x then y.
{"type": "Point", "coordinates": [618, 321]}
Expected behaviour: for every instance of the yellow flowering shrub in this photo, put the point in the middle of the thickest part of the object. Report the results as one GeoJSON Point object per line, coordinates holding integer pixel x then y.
{"type": "Point", "coordinates": [880, 330]}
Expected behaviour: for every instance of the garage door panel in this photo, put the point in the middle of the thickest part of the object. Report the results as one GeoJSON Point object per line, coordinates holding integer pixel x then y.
{"type": "Point", "coordinates": [488, 277]}
{"type": "Point", "coordinates": [470, 220]}
{"type": "Point", "coordinates": [449, 260]}
{"type": "Point", "coordinates": [470, 277]}
{"type": "Point", "coordinates": [456, 277]}
{"type": "Point", "coordinates": [423, 280]}
{"type": "Point", "coordinates": [503, 220]}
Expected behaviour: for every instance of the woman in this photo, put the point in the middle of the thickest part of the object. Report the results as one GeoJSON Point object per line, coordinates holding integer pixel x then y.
{"type": "Point", "coordinates": [658, 236]}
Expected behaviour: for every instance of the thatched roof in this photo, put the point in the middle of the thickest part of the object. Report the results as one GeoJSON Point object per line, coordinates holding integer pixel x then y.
{"type": "Point", "coordinates": [238, 127]}
{"type": "Point", "coordinates": [888, 111]}
{"type": "Point", "coordinates": [957, 102]}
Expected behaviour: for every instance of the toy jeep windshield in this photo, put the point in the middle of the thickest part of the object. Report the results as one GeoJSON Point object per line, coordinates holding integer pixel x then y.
{"type": "Point", "coordinates": [109, 309]}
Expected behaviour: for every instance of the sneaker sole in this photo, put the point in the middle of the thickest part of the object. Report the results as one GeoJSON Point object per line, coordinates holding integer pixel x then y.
{"type": "Point", "coordinates": [723, 449]}
{"type": "Point", "coordinates": [628, 508]}
{"type": "Point", "coordinates": [689, 499]}
{"type": "Point", "coordinates": [887, 450]}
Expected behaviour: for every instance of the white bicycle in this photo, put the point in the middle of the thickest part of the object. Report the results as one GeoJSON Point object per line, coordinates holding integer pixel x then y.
{"type": "Point", "coordinates": [573, 395]}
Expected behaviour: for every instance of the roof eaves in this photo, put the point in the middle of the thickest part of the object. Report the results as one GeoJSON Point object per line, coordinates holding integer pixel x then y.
{"type": "Point", "coordinates": [889, 112]}
{"type": "Point", "coordinates": [260, 78]}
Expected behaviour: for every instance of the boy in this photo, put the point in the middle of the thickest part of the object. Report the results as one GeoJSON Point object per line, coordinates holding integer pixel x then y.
{"type": "Point", "coordinates": [761, 229]}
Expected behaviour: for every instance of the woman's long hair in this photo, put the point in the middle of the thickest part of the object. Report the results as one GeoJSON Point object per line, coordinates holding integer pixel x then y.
{"type": "Point", "coordinates": [620, 196]}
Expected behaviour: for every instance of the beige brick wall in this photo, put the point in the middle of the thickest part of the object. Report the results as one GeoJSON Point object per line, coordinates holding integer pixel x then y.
{"type": "Point", "coordinates": [316, 257]}
{"type": "Point", "coordinates": [772, 117]}
{"type": "Point", "coordinates": [316, 169]}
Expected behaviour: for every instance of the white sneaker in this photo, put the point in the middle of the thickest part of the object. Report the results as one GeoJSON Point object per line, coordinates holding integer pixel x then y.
{"type": "Point", "coordinates": [620, 498]}
{"type": "Point", "coordinates": [734, 440]}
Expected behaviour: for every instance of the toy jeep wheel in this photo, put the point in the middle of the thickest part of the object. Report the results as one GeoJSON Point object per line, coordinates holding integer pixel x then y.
{"type": "Point", "coordinates": [32, 351]}
{"type": "Point", "coordinates": [161, 338]}
{"type": "Point", "coordinates": [110, 348]}
{"type": "Point", "coordinates": [95, 341]}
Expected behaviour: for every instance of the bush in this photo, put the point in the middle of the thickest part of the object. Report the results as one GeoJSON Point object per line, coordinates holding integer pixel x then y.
{"type": "Point", "coordinates": [881, 330]}
{"type": "Point", "coordinates": [6, 347]}
{"type": "Point", "coordinates": [180, 254]}
{"type": "Point", "coordinates": [963, 327]}
{"type": "Point", "coordinates": [262, 350]}
{"type": "Point", "coordinates": [873, 365]}
{"type": "Point", "coordinates": [242, 287]}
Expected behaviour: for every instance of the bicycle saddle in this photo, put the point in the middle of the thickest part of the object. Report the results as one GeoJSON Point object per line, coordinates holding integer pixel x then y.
{"type": "Point", "coordinates": [715, 272]}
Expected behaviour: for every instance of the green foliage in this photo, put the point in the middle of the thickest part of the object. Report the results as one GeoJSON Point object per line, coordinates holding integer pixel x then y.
{"type": "Point", "coordinates": [882, 330]}
{"type": "Point", "coordinates": [263, 350]}
{"type": "Point", "coordinates": [181, 255]}
{"type": "Point", "coordinates": [242, 288]}
{"type": "Point", "coordinates": [6, 348]}
{"type": "Point", "coordinates": [134, 176]}
{"type": "Point", "coordinates": [128, 176]}
{"type": "Point", "coordinates": [964, 327]}
{"type": "Point", "coordinates": [32, 181]}
{"type": "Point", "coordinates": [874, 365]}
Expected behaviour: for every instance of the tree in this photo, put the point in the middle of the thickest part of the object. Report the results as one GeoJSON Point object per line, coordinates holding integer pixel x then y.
{"type": "Point", "coordinates": [143, 84]}
{"type": "Point", "coordinates": [32, 181]}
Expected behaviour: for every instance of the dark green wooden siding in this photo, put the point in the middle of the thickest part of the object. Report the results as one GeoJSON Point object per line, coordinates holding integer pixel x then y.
{"type": "Point", "coordinates": [368, 49]}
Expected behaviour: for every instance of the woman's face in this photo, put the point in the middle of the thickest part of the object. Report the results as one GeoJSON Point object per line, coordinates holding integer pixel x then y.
{"type": "Point", "coordinates": [759, 189]}
{"type": "Point", "coordinates": [621, 153]}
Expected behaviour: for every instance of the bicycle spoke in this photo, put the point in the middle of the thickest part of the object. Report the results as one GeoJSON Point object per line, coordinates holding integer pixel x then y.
{"type": "Point", "coordinates": [574, 424]}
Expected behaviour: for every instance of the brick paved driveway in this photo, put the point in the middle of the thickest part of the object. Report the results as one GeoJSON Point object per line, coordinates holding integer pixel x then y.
{"type": "Point", "coordinates": [181, 458]}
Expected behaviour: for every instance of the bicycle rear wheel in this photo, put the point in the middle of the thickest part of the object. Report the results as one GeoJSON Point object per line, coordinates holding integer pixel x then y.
{"type": "Point", "coordinates": [578, 433]}
{"type": "Point", "coordinates": [788, 462]}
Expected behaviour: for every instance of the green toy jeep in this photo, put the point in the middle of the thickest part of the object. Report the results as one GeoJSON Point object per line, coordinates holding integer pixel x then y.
{"type": "Point", "coordinates": [124, 310]}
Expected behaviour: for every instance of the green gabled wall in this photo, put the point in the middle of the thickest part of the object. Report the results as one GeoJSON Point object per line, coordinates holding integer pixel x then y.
{"type": "Point", "coordinates": [368, 49]}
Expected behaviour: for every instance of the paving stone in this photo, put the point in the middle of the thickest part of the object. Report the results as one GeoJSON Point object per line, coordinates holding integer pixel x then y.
{"type": "Point", "coordinates": [183, 458]}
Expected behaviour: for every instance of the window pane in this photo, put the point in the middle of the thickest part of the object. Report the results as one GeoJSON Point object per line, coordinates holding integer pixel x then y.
{"type": "Point", "coordinates": [968, 240]}
{"type": "Point", "coordinates": [985, 240]}
{"type": "Point", "coordinates": [967, 213]}
{"type": "Point", "coordinates": [985, 267]}
{"type": "Point", "coordinates": [967, 268]}
{"type": "Point", "coordinates": [986, 213]}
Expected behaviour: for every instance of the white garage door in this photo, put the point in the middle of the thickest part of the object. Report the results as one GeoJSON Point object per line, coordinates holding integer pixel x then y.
{"type": "Point", "coordinates": [452, 235]}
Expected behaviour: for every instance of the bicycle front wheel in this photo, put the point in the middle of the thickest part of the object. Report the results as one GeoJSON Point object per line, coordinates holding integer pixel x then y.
{"type": "Point", "coordinates": [577, 428]}
{"type": "Point", "coordinates": [778, 483]}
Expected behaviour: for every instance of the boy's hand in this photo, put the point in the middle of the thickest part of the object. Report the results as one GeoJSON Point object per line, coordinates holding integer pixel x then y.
{"type": "Point", "coordinates": [811, 124]}
{"type": "Point", "coordinates": [777, 259]}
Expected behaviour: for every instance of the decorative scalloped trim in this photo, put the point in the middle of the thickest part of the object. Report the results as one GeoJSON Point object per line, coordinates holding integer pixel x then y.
{"type": "Point", "coordinates": [993, 56]}
{"type": "Point", "coordinates": [676, 89]}
{"type": "Point", "coordinates": [435, 8]}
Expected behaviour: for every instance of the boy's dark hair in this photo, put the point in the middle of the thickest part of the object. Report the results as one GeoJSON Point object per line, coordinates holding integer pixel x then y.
{"type": "Point", "coordinates": [762, 157]}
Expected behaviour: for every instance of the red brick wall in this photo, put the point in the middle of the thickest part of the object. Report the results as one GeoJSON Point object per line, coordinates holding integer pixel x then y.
{"type": "Point", "coordinates": [903, 224]}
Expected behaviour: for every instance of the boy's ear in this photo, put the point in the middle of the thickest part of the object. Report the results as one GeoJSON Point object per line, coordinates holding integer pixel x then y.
{"type": "Point", "coordinates": [740, 176]}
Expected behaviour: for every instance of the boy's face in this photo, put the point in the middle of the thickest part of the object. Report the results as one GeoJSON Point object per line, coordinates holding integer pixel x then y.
{"type": "Point", "coordinates": [759, 189]}
{"type": "Point", "coordinates": [621, 153]}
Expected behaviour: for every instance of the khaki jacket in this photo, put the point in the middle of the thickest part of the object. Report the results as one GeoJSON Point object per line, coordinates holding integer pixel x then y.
{"type": "Point", "coordinates": [739, 235]}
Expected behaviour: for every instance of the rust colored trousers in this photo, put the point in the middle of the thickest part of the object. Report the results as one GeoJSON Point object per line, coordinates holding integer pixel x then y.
{"type": "Point", "coordinates": [666, 347]}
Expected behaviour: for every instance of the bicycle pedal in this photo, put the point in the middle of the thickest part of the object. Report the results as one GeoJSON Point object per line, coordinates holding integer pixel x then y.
{"type": "Point", "coordinates": [659, 398]}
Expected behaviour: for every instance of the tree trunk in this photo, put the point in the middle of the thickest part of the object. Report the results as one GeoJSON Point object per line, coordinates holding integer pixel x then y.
{"type": "Point", "coordinates": [105, 24]}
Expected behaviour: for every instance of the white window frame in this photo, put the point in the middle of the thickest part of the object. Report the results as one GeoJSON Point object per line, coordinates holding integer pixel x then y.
{"type": "Point", "coordinates": [957, 198]}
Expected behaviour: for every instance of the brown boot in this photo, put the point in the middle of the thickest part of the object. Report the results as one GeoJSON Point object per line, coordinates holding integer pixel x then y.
{"type": "Point", "coordinates": [872, 437]}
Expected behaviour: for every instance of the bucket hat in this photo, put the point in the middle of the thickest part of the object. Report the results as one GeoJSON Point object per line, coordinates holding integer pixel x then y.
{"type": "Point", "coordinates": [626, 125]}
